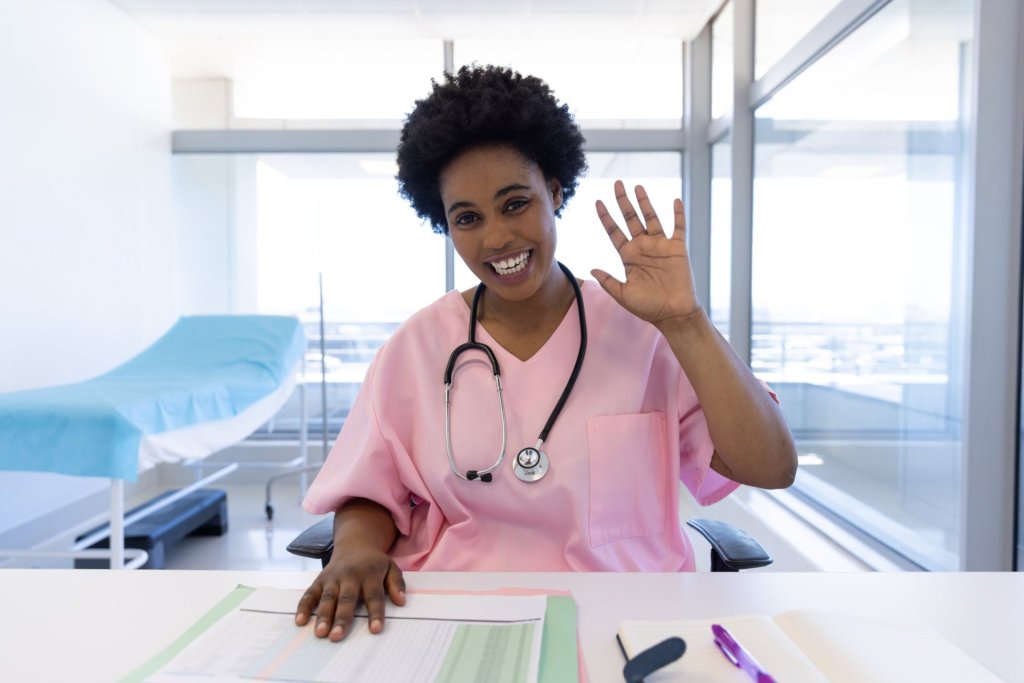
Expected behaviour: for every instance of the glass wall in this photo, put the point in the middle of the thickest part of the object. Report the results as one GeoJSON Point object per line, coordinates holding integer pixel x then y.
{"type": "Point", "coordinates": [857, 264]}
{"type": "Point", "coordinates": [722, 46]}
{"type": "Point", "coordinates": [721, 234]}
{"type": "Point", "coordinates": [779, 24]}
{"type": "Point", "coordinates": [260, 233]}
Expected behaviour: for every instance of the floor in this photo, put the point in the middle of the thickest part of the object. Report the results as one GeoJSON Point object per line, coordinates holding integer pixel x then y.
{"type": "Point", "coordinates": [252, 542]}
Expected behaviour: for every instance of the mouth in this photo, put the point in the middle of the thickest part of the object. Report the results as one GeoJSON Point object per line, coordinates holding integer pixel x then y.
{"type": "Point", "coordinates": [510, 265]}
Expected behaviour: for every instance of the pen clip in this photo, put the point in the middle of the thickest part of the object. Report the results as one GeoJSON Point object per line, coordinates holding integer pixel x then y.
{"type": "Point", "coordinates": [727, 652]}
{"type": "Point", "coordinates": [727, 644]}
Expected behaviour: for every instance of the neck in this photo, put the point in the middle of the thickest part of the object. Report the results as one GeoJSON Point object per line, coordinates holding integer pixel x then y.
{"type": "Point", "coordinates": [551, 301]}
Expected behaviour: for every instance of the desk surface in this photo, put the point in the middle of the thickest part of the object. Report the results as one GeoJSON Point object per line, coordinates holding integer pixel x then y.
{"type": "Point", "coordinates": [98, 625]}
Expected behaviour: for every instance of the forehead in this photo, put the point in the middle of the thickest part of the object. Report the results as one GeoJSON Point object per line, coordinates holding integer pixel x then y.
{"type": "Point", "coordinates": [484, 170]}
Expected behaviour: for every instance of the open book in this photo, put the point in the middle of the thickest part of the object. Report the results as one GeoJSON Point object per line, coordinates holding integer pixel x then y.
{"type": "Point", "coordinates": [809, 646]}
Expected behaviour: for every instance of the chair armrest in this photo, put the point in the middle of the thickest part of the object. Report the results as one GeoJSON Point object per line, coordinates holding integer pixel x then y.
{"type": "Point", "coordinates": [732, 549]}
{"type": "Point", "coordinates": [316, 542]}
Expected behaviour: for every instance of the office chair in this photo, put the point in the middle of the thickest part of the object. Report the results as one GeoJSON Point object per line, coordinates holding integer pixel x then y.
{"type": "Point", "coordinates": [731, 548]}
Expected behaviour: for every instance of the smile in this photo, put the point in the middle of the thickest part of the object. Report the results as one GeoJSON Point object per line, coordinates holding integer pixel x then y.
{"type": "Point", "coordinates": [511, 265]}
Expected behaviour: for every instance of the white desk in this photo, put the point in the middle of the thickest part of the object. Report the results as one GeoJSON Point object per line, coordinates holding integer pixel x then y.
{"type": "Point", "coordinates": [98, 625]}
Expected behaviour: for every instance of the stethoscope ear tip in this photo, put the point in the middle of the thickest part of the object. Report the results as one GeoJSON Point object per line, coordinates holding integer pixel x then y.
{"type": "Point", "coordinates": [473, 474]}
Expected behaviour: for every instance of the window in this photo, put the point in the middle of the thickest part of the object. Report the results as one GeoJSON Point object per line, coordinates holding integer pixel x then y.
{"type": "Point", "coordinates": [263, 232]}
{"type": "Point", "coordinates": [780, 24]}
{"type": "Point", "coordinates": [721, 234]}
{"type": "Point", "coordinates": [722, 41]}
{"type": "Point", "coordinates": [857, 308]}
{"type": "Point", "coordinates": [264, 227]}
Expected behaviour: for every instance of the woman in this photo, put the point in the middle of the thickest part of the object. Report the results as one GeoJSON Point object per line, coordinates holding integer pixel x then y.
{"type": "Point", "coordinates": [610, 392]}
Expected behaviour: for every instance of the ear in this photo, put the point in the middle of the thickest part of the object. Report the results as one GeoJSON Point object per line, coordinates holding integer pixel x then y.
{"type": "Point", "coordinates": [556, 193]}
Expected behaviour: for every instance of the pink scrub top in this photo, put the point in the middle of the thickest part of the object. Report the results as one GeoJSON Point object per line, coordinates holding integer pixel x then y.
{"type": "Point", "coordinates": [630, 431]}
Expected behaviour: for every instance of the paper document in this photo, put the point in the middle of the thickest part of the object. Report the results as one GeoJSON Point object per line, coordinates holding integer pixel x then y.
{"type": "Point", "coordinates": [434, 638]}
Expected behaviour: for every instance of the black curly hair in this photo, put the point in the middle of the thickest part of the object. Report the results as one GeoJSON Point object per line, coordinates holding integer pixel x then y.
{"type": "Point", "coordinates": [483, 105]}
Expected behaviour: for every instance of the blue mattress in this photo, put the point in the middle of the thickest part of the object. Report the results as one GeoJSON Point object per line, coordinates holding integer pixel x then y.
{"type": "Point", "coordinates": [205, 368]}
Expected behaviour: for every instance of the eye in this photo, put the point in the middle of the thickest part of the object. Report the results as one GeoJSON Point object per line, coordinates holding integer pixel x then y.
{"type": "Point", "coordinates": [516, 204]}
{"type": "Point", "coordinates": [465, 219]}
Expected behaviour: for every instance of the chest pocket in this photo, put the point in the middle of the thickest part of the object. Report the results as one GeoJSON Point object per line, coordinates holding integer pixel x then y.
{"type": "Point", "coordinates": [629, 471]}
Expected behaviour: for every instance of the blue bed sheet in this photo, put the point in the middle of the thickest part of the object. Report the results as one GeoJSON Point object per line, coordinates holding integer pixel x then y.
{"type": "Point", "coordinates": [204, 368]}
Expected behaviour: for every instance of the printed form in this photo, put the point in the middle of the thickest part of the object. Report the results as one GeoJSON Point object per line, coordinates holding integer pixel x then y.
{"type": "Point", "coordinates": [433, 638]}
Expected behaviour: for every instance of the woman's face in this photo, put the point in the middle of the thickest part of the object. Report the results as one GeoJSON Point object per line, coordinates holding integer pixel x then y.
{"type": "Point", "coordinates": [501, 218]}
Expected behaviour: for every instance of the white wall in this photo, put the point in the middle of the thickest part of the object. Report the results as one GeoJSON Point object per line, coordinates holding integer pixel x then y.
{"type": "Point", "coordinates": [86, 273]}
{"type": "Point", "coordinates": [86, 244]}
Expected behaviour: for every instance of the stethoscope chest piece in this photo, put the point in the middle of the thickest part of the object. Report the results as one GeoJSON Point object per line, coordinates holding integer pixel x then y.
{"type": "Point", "coordinates": [530, 464]}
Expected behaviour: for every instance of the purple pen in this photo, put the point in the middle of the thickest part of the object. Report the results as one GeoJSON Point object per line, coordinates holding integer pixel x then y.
{"type": "Point", "coordinates": [735, 653]}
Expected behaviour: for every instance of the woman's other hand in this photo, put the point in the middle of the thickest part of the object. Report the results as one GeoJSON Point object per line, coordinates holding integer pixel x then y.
{"type": "Point", "coordinates": [369, 576]}
{"type": "Point", "coordinates": [360, 570]}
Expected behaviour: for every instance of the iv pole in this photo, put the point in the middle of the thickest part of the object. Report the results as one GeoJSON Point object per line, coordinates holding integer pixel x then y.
{"type": "Point", "coordinates": [269, 505]}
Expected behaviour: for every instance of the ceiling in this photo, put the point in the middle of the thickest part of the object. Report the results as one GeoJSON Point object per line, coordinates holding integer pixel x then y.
{"type": "Point", "coordinates": [216, 38]}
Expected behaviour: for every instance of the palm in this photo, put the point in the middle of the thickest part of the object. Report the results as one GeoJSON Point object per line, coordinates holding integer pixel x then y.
{"type": "Point", "coordinates": [659, 282]}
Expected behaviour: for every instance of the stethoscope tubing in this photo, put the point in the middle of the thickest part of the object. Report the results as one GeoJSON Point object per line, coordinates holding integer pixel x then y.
{"type": "Point", "coordinates": [473, 344]}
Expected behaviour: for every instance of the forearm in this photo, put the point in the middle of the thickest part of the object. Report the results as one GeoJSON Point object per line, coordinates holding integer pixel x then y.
{"type": "Point", "coordinates": [361, 523]}
{"type": "Point", "coordinates": [753, 445]}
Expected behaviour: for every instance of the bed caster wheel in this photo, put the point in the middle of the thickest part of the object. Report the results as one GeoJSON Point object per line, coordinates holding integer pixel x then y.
{"type": "Point", "coordinates": [270, 511]}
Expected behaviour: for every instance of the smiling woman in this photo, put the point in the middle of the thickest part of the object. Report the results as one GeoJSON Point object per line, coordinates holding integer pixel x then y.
{"type": "Point", "coordinates": [658, 399]}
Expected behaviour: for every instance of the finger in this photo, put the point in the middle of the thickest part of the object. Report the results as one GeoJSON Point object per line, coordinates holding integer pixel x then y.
{"type": "Point", "coordinates": [373, 596]}
{"type": "Point", "coordinates": [325, 608]}
{"type": "Point", "coordinates": [628, 212]}
{"type": "Point", "coordinates": [679, 232]}
{"type": "Point", "coordinates": [610, 226]}
{"type": "Point", "coordinates": [344, 611]}
{"type": "Point", "coordinates": [307, 604]}
{"type": "Point", "coordinates": [395, 583]}
{"type": "Point", "coordinates": [647, 209]}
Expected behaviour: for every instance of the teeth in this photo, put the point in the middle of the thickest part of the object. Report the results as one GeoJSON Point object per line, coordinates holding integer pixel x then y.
{"type": "Point", "coordinates": [511, 265]}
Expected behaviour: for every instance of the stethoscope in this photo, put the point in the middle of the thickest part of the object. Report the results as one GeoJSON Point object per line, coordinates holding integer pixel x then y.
{"type": "Point", "coordinates": [531, 463]}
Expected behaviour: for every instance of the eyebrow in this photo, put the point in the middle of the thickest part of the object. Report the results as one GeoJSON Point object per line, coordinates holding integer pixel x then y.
{"type": "Point", "coordinates": [497, 195]}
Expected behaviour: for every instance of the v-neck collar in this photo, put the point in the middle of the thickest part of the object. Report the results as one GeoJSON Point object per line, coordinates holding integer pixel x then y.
{"type": "Point", "coordinates": [570, 315]}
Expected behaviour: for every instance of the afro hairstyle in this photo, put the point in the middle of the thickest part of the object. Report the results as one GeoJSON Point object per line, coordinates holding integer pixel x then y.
{"type": "Point", "coordinates": [485, 105]}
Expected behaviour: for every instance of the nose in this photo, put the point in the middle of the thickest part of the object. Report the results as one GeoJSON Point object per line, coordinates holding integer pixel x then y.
{"type": "Point", "coordinates": [499, 235]}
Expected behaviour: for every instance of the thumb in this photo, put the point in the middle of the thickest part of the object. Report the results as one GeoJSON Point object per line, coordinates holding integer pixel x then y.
{"type": "Point", "coordinates": [394, 582]}
{"type": "Point", "coordinates": [608, 284]}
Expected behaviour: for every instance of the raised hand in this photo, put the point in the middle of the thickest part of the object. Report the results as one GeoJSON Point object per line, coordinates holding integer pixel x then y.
{"type": "Point", "coordinates": [659, 282]}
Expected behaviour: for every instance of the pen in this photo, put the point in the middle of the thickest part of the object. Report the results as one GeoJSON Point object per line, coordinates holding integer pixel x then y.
{"type": "Point", "coordinates": [735, 653]}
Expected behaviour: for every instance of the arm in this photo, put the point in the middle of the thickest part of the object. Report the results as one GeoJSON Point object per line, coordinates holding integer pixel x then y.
{"type": "Point", "coordinates": [753, 445]}
{"type": "Point", "coordinates": [360, 569]}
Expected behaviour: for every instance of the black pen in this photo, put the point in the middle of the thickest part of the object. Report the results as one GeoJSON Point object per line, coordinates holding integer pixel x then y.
{"type": "Point", "coordinates": [651, 659]}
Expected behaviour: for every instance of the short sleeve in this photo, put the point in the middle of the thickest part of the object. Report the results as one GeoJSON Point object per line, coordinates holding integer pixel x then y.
{"type": "Point", "coordinates": [362, 463]}
{"type": "Point", "coordinates": [696, 449]}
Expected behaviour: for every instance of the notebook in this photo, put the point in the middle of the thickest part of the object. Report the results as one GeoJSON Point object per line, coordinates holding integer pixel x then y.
{"type": "Point", "coordinates": [809, 646]}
